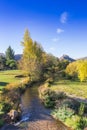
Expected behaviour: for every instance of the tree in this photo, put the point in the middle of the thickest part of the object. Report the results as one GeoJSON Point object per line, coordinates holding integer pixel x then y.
{"type": "Point", "coordinates": [10, 61]}
{"type": "Point", "coordinates": [71, 69]}
{"type": "Point", "coordinates": [63, 64]}
{"type": "Point", "coordinates": [78, 69]}
{"type": "Point", "coordinates": [50, 65]}
{"type": "Point", "coordinates": [32, 56]}
{"type": "Point", "coordinates": [9, 53]}
{"type": "Point", "coordinates": [11, 64]}
{"type": "Point", "coordinates": [2, 63]}
{"type": "Point", "coordinates": [82, 70]}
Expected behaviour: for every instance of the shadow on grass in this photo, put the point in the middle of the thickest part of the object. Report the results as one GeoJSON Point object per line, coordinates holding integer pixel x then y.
{"type": "Point", "coordinates": [3, 83]}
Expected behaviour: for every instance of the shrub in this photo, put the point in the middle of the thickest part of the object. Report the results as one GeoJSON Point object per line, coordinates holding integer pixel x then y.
{"type": "Point", "coordinates": [72, 104]}
{"type": "Point", "coordinates": [63, 113]}
{"type": "Point", "coordinates": [48, 97]}
{"type": "Point", "coordinates": [60, 95]}
{"type": "Point", "coordinates": [76, 122]}
{"type": "Point", "coordinates": [5, 107]}
{"type": "Point", "coordinates": [81, 109]}
{"type": "Point", "coordinates": [48, 102]}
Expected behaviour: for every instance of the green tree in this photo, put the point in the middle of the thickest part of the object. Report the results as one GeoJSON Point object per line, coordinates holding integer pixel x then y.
{"type": "Point", "coordinates": [9, 53]}
{"type": "Point", "coordinates": [10, 61]}
{"type": "Point", "coordinates": [63, 64]}
{"type": "Point", "coordinates": [2, 63]}
{"type": "Point", "coordinates": [50, 65]}
{"type": "Point", "coordinates": [11, 64]}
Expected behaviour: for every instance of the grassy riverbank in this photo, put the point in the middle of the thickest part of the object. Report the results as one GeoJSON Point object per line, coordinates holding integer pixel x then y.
{"type": "Point", "coordinates": [63, 97]}
{"type": "Point", "coordinates": [12, 84]}
{"type": "Point", "coordinates": [73, 88]}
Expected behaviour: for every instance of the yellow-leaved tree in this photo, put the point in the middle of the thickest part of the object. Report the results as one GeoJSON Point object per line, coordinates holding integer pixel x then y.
{"type": "Point", "coordinates": [78, 69]}
{"type": "Point", "coordinates": [82, 70]}
{"type": "Point", "coordinates": [72, 69]}
{"type": "Point", "coordinates": [32, 57]}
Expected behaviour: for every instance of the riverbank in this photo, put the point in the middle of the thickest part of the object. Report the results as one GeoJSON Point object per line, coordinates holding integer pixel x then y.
{"type": "Point", "coordinates": [39, 116]}
{"type": "Point", "coordinates": [68, 109]}
{"type": "Point", "coordinates": [10, 97]}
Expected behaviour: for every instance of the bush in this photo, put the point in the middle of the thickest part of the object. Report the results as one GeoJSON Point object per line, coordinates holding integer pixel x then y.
{"type": "Point", "coordinates": [48, 97]}
{"type": "Point", "coordinates": [67, 115]}
{"type": "Point", "coordinates": [5, 107]}
{"type": "Point", "coordinates": [62, 113]}
{"type": "Point", "coordinates": [72, 104]}
{"type": "Point", "coordinates": [76, 122]}
{"type": "Point", "coordinates": [60, 95]}
{"type": "Point", "coordinates": [48, 102]}
{"type": "Point", "coordinates": [81, 109]}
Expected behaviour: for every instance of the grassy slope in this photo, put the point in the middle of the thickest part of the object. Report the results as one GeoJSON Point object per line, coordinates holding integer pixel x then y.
{"type": "Point", "coordinates": [7, 77]}
{"type": "Point", "coordinates": [71, 88]}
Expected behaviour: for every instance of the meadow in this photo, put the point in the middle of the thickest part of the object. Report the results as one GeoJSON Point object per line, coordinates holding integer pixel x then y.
{"type": "Point", "coordinates": [73, 88]}
{"type": "Point", "coordinates": [9, 76]}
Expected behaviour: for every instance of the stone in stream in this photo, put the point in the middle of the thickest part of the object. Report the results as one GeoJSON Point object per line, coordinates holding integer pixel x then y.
{"type": "Point", "coordinates": [13, 114]}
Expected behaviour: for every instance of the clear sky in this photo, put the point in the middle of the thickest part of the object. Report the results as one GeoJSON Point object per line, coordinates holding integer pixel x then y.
{"type": "Point", "coordinates": [59, 25]}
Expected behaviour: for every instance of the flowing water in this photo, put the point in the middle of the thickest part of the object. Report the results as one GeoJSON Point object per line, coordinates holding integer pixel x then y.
{"type": "Point", "coordinates": [34, 115]}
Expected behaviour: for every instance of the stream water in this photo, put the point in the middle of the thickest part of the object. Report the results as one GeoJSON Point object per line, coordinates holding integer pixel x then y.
{"type": "Point", "coordinates": [34, 115]}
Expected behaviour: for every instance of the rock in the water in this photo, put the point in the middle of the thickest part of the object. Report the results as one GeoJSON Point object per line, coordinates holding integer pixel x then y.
{"type": "Point", "coordinates": [13, 114]}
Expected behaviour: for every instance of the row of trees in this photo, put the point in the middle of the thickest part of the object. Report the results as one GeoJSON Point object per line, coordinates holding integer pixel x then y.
{"type": "Point", "coordinates": [8, 61]}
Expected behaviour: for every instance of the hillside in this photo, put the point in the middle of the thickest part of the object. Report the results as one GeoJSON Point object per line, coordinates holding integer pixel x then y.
{"type": "Point", "coordinates": [83, 58]}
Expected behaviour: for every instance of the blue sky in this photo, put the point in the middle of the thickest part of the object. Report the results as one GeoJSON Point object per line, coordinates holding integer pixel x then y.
{"type": "Point", "coordinates": [60, 26]}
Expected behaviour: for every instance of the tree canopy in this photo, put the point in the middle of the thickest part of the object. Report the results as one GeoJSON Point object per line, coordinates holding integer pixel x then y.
{"type": "Point", "coordinates": [32, 56]}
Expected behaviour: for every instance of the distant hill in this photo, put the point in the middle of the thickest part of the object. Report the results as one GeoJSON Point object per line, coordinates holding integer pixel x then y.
{"type": "Point", "coordinates": [66, 57]}
{"type": "Point", "coordinates": [2, 54]}
{"type": "Point", "coordinates": [83, 58]}
{"type": "Point", "coordinates": [18, 56]}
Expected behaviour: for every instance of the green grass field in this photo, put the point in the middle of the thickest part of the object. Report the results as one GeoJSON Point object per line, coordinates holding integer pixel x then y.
{"type": "Point", "coordinates": [8, 76]}
{"type": "Point", "coordinates": [78, 89]}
